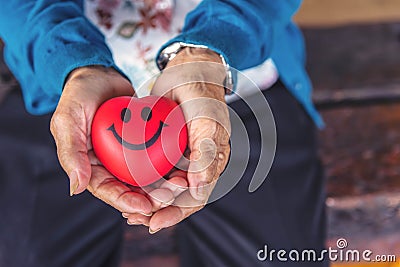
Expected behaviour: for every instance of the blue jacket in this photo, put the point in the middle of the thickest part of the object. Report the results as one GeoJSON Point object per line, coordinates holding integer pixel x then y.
{"type": "Point", "coordinates": [46, 39]}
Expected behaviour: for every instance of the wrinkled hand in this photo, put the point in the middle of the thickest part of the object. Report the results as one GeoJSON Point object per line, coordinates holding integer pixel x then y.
{"type": "Point", "coordinates": [208, 124]}
{"type": "Point", "coordinates": [85, 90]}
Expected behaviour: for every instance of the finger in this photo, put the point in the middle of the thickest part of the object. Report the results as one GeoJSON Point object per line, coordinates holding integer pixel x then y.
{"type": "Point", "coordinates": [160, 198]}
{"type": "Point", "coordinates": [70, 134]}
{"type": "Point", "coordinates": [94, 161]}
{"type": "Point", "coordinates": [178, 173]}
{"type": "Point", "coordinates": [165, 218]}
{"type": "Point", "coordinates": [176, 185]}
{"type": "Point", "coordinates": [126, 215]}
{"type": "Point", "coordinates": [174, 214]}
{"type": "Point", "coordinates": [138, 219]}
{"type": "Point", "coordinates": [166, 192]}
{"type": "Point", "coordinates": [223, 157]}
{"type": "Point", "coordinates": [107, 188]}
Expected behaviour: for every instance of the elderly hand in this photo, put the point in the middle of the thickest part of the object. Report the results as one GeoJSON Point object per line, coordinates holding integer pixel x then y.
{"type": "Point", "coordinates": [85, 90]}
{"type": "Point", "coordinates": [206, 113]}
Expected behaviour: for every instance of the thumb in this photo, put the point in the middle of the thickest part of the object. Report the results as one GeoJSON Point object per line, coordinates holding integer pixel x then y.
{"type": "Point", "coordinates": [209, 145]}
{"type": "Point", "coordinates": [202, 168]}
{"type": "Point", "coordinates": [85, 89]}
{"type": "Point", "coordinates": [69, 129]}
{"type": "Point", "coordinates": [208, 131]}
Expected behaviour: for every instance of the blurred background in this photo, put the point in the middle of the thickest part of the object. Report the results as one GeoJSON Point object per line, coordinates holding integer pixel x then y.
{"type": "Point", "coordinates": [354, 61]}
{"type": "Point", "coordinates": [353, 49]}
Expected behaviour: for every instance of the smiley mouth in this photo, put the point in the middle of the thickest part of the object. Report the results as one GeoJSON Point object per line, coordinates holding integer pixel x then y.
{"type": "Point", "coordinates": [141, 146]}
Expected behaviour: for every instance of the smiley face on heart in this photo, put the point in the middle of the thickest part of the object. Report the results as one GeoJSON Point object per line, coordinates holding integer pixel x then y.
{"type": "Point", "coordinates": [139, 140]}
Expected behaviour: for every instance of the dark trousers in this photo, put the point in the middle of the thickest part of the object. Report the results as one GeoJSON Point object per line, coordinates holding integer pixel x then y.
{"type": "Point", "coordinates": [286, 212]}
{"type": "Point", "coordinates": [41, 226]}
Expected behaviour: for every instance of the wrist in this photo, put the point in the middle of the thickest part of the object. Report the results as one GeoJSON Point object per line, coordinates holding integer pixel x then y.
{"type": "Point", "coordinates": [191, 64]}
{"type": "Point", "coordinates": [96, 83]}
{"type": "Point", "coordinates": [181, 53]}
{"type": "Point", "coordinates": [89, 71]}
{"type": "Point", "coordinates": [194, 54]}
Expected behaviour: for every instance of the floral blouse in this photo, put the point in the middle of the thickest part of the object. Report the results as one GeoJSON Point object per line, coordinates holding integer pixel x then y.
{"type": "Point", "coordinates": [136, 29]}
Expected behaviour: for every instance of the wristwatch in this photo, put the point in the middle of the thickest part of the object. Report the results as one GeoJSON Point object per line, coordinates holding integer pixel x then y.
{"type": "Point", "coordinates": [172, 50]}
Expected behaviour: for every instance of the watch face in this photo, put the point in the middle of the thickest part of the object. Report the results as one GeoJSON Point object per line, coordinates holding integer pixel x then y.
{"type": "Point", "coordinates": [167, 54]}
{"type": "Point", "coordinates": [162, 61]}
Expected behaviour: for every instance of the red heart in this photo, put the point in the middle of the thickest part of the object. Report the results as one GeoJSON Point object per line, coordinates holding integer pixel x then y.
{"type": "Point", "coordinates": [139, 140]}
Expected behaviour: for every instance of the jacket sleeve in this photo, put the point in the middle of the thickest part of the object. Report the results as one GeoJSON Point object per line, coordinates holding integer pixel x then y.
{"type": "Point", "coordinates": [240, 30]}
{"type": "Point", "coordinates": [44, 41]}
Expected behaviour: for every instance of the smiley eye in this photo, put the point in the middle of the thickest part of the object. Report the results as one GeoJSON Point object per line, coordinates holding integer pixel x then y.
{"type": "Point", "coordinates": [146, 114]}
{"type": "Point", "coordinates": [126, 115]}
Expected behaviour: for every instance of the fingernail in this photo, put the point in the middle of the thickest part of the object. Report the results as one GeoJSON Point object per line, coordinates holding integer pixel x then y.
{"type": "Point", "coordinates": [151, 231]}
{"type": "Point", "coordinates": [146, 214]}
{"type": "Point", "coordinates": [201, 190]}
{"type": "Point", "coordinates": [180, 190]}
{"type": "Point", "coordinates": [167, 203]}
{"type": "Point", "coordinates": [133, 222]}
{"type": "Point", "coordinates": [74, 183]}
{"type": "Point", "coordinates": [125, 215]}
